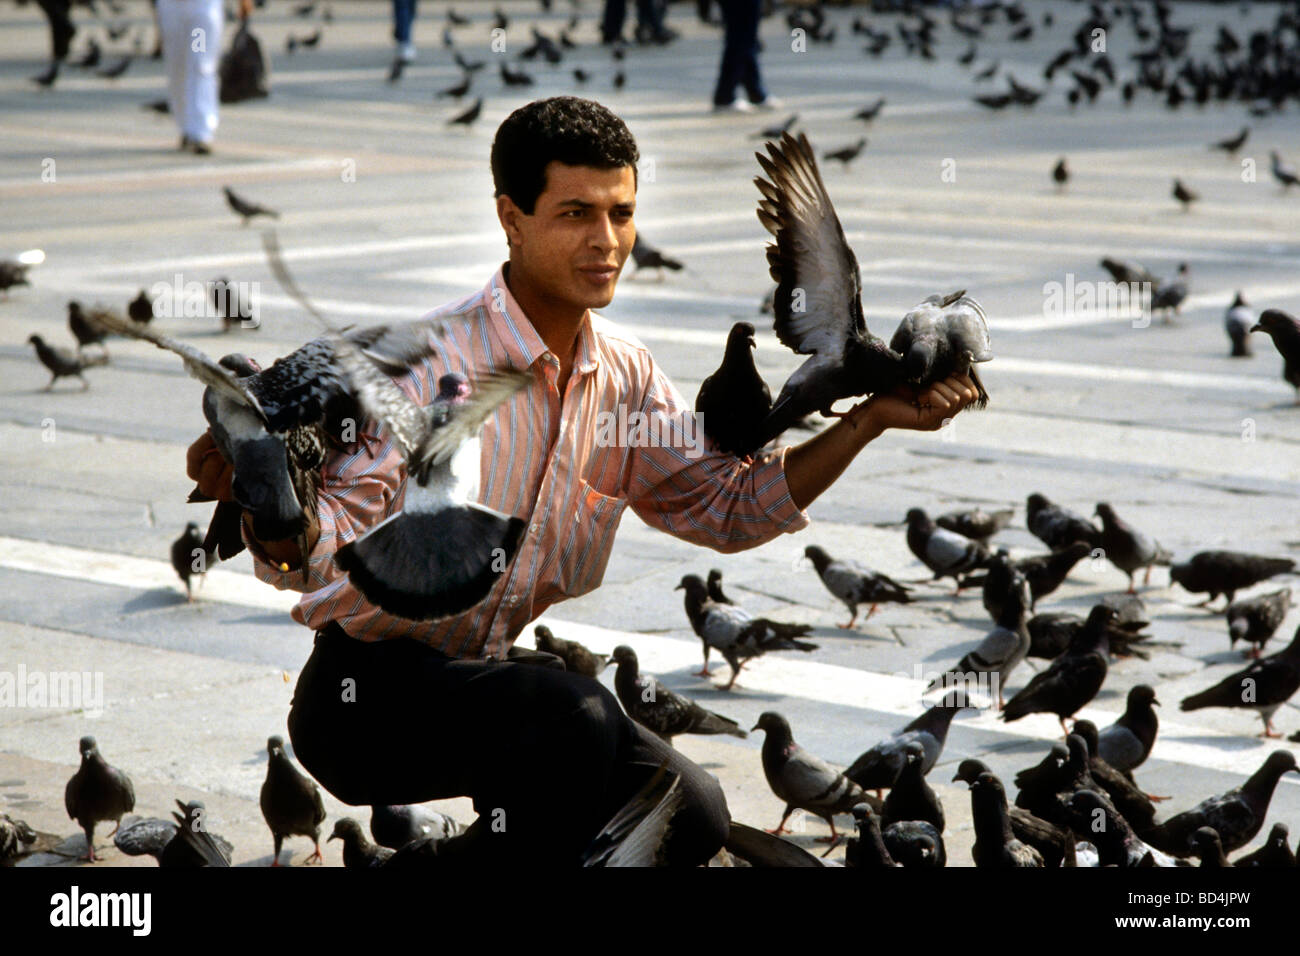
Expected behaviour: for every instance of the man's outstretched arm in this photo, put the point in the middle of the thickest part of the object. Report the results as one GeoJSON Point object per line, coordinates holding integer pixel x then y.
{"type": "Point", "coordinates": [815, 465]}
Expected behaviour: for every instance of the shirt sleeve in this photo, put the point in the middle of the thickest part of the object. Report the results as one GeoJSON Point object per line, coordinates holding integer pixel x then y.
{"type": "Point", "coordinates": [678, 482]}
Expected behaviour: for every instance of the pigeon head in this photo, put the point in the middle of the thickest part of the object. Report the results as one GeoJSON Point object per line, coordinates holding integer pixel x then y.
{"type": "Point", "coordinates": [1206, 840]}
{"type": "Point", "coordinates": [741, 337]}
{"type": "Point", "coordinates": [1274, 321]}
{"type": "Point", "coordinates": [970, 770]}
{"type": "Point", "coordinates": [453, 387]}
{"type": "Point", "coordinates": [275, 746]}
{"type": "Point", "coordinates": [240, 364]}
{"type": "Point", "coordinates": [347, 830]}
{"type": "Point", "coordinates": [772, 723]}
{"type": "Point", "coordinates": [1281, 761]}
{"type": "Point", "coordinates": [623, 655]}
{"type": "Point", "coordinates": [1105, 512]}
{"type": "Point", "coordinates": [914, 753]}
{"type": "Point", "coordinates": [1088, 731]}
{"type": "Point", "coordinates": [694, 586]}
{"type": "Point", "coordinates": [1078, 749]}
{"type": "Point", "coordinates": [916, 516]}
{"type": "Point", "coordinates": [35, 340]}
{"type": "Point", "coordinates": [862, 814]}
{"type": "Point", "coordinates": [986, 784]}
{"type": "Point", "coordinates": [1143, 695]}
{"type": "Point", "coordinates": [715, 576]}
{"type": "Point", "coordinates": [1238, 300]}
{"type": "Point", "coordinates": [1036, 503]}
{"type": "Point", "coordinates": [817, 556]}
{"type": "Point", "coordinates": [87, 746]}
{"type": "Point", "coordinates": [543, 635]}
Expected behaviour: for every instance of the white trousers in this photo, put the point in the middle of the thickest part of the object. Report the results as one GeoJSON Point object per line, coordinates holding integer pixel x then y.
{"type": "Point", "coordinates": [191, 41]}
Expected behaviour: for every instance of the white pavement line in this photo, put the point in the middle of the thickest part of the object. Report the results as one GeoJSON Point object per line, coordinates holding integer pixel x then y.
{"type": "Point", "coordinates": [121, 570]}
{"type": "Point", "coordinates": [830, 683]}
{"type": "Point", "coordinates": [203, 173]}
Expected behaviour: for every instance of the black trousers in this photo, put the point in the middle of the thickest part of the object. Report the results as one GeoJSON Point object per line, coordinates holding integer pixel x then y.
{"type": "Point", "coordinates": [61, 28]}
{"type": "Point", "coordinates": [547, 756]}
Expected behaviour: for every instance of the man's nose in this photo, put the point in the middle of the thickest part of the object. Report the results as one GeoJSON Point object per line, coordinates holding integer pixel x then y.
{"type": "Point", "coordinates": [604, 236]}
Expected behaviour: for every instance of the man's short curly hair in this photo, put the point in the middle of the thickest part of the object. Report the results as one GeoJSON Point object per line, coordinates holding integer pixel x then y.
{"type": "Point", "coordinates": [565, 129]}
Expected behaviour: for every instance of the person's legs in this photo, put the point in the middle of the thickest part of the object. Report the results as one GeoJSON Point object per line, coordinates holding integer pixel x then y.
{"type": "Point", "coordinates": [61, 28]}
{"type": "Point", "coordinates": [750, 77]}
{"type": "Point", "coordinates": [403, 17]}
{"type": "Point", "coordinates": [174, 31]}
{"type": "Point", "coordinates": [611, 25]}
{"type": "Point", "coordinates": [732, 39]}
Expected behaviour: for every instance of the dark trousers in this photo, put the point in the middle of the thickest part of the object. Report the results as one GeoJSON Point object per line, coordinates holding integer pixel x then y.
{"type": "Point", "coordinates": [649, 17]}
{"type": "Point", "coordinates": [548, 757]}
{"type": "Point", "coordinates": [403, 17]}
{"type": "Point", "coordinates": [739, 53]}
{"type": "Point", "coordinates": [61, 28]}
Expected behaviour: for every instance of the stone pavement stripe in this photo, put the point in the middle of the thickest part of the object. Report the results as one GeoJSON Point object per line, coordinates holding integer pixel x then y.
{"type": "Point", "coordinates": [779, 674]}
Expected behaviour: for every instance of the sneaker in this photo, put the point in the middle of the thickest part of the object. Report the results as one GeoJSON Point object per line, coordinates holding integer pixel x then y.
{"type": "Point", "coordinates": [771, 103]}
{"type": "Point", "coordinates": [200, 149]}
{"type": "Point", "coordinates": [406, 52]}
{"type": "Point", "coordinates": [735, 106]}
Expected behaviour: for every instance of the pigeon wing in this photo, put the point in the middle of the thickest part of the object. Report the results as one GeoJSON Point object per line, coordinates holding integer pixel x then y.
{"type": "Point", "coordinates": [488, 392]}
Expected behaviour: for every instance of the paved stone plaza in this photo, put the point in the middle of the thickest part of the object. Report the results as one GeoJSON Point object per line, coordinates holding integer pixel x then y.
{"type": "Point", "coordinates": [386, 213]}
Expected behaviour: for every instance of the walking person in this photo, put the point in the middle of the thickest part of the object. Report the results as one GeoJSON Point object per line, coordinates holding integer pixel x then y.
{"type": "Point", "coordinates": [191, 41]}
{"type": "Point", "coordinates": [403, 18]}
{"type": "Point", "coordinates": [740, 58]}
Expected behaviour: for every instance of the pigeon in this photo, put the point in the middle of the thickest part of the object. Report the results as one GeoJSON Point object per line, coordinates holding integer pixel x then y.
{"type": "Point", "coordinates": [1226, 572]}
{"type": "Point", "coordinates": [943, 336]}
{"type": "Point", "coordinates": [86, 328]}
{"type": "Point", "coordinates": [1237, 322]}
{"type": "Point", "coordinates": [1274, 852]}
{"type": "Point", "coordinates": [469, 66]}
{"type": "Point", "coordinates": [1048, 839]}
{"type": "Point", "coordinates": [879, 767]}
{"type": "Point", "coordinates": [1254, 620]}
{"type": "Point", "coordinates": [995, 101]}
{"type": "Point", "coordinates": [1284, 330]}
{"type": "Point", "coordinates": [620, 80]}
{"type": "Point", "coordinates": [1041, 786]}
{"type": "Point", "coordinates": [847, 154]}
{"type": "Point", "coordinates": [988, 72]}
{"type": "Point", "coordinates": [915, 843]}
{"type": "Point", "coordinates": [14, 271]}
{"type": "Point", "coordinates": [1090, 814]}
{"type": "Point", "coordinates": [97, 792]}
{"type": "Point", "coordinates": [186, 844]}
{"type": "Point", "coordinates": [911, 798]}
{"type": "Point", "coordinates": [467, 117]}
{"type": "Point", "coordinates": [1128, 548]}
{"type": "Point", "coordinates": [733, 631]}
{"type": "Point", "coordinates": [945, 553]}
{"type": "Point", "coordinates": [817, 305]}
{"type": "Point", "coordinates": [1060, 173]}
{"type": "Point", "coordinates": [13, 835]}
{"type": "Point", "coordinates": [637, 835]}
{"type": "Point", "coordinates": [396, 826]}
{"type": "Point", "coordinates": [63, 363]}
{"type": "Point", "coordinates": [1135, 806]}
{"type": "Point", "coordinates": [1237, 815]}
{"type": "Point", "coordinates": [291, 803]}
{"type": "Point", "coordinates": [801, 779]}
{"type": "Point", "coordinates": [1051, 633]}
{"type": "Point", "coordinates": [655, 707]}
{"type": "Point", "coordinates": [1072, 680]}
{"type": "Point", "coordinates": [1046, 572]}
{"type": "Point", "coordinates": [141, 308]}
{"type": "Point", "coordinates": [734, 401]}
{"type": "Point", "coordinates": [1129, 274]}
{"type": "Point", "coordinates": [1232, 143]}
{"type": "Point", "coordinates": [867, 849]}
{"type": "Point", "coordinates": [577, 658]}
{"type": "Point", "coordinates": [514, 77]}
{"type": "Point", "coordinates": [1184, 195]}
{"type": "Point", "coordinates": [646, 256]}
{"type": "Point", "coordinates": [1283, 171]}
{"type": "Point", "coordinates": [1170, 296]}
{"type": "Point", "coordinates": [714, 585]}
{"type": "Point", "coordinates": [779, 131]}
{"type": "Point", "coordinates": [1001, 650]}
{"type": "Point", "coordinates": [756, 847]}
{"type": "Point", "coordinates": [358, 852]}
{"type": "Point", "coordinates": [230, 306]}
{"type": "Point", "coordinates": [869, 113]}
{"type": "Point", "coordinates": [580, 75]}
{"type": "Point", "coordinates": [1209, 848]}
{"type": "Point", "coordinates": [995, 846]}
{"type": "Point", "coordinates": [190, 557]}
{"type": "Point", "coordinates": [976, 524]}
{"type": "Point", "coordinates": [144, 837]}
{"type": "Point", "coordinates": [244, 209]}
{"type": "Point", "coordinates": [1058, 527]}
{"type": "Point", "coordinates": [1267, 684]}
{"type": "Point", "coordinates": [1127, 743]}
{"type": "Point", "coordinates": [854, 584]}
{"type": "Point", "coordinates": [457, 91]}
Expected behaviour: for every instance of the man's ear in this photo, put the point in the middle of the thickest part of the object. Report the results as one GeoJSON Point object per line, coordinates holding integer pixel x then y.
{"type": "Point", "coordinates": [509, 215]}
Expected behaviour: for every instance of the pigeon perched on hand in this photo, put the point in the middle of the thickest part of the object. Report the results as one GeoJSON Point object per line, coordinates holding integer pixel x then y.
{"type": "Point", "coordinates": [291, 803]}
{"type": "Point", "coordinates": [63, 363]}
{"type": "Point", "coordinates": [801, 779]}
{"type": "Point", "coordinates": [1072, 680]}
{"type": "Point", "coordinates": [818, 301]}
{"type": "Point", "coordinates": [734, 401]}
{"type": "Point", "coordinates": [1264, 686]}
{"type": "Point", "coordinates": [654, 706]}
{"type": "Point", "coordinates": [97, 792]}
{"type": "Point", "coordinates": [1237, 815]}
{"type": "Point", "coordinates": [854, 584]}
{"type": "Point", "coordinates": [1284, 330]}
{"type": "Point", "coordinates": [246, 209]}
{"type": "Point", "coordinates": [1226, 572]}
{"type": "Point", "coordinates": [1128, 548]}
{"type": "Point", "coordinates": [1058, 527]}
{"type": "Point", "coordinates": [577, 658]}
{"type": "Point", "coordinates": [944, 335]}
{"type": "Point", "coordinates": [943, 552]}
{"type": "Point", "coordinates": [1255, 620]}
{"type": "Point", "coordinates": [358, 852]}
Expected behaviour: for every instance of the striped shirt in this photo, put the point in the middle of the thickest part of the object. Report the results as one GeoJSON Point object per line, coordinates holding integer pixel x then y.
{"type": "Point", "coordinates": [622, 434]}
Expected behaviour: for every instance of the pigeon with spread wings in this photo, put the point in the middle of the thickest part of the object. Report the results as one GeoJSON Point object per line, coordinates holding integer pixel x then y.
{"type": "Point", "coordinates": [818, 300]}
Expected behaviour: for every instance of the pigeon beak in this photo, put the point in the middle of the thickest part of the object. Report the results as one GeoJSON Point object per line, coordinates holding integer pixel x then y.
{"type": "Point", "coordinates": [1257, 327]}
{"type": "Point", "coordinates": [679, 587]}
{"type": "Point", "coordinates": [754, 728]}
{"type": "Point", "coordinates": [332, 836]}
{"type": "Point", "coordinates": [951, 298]}
{"type": "Point", "coordinates": [1155, 702]}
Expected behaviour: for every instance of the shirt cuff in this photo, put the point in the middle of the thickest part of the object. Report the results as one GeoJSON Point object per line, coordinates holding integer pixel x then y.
{"type": "Point", "coordinates": [773, 492]}
{"type": "Point", "coordinates": [267, 569]}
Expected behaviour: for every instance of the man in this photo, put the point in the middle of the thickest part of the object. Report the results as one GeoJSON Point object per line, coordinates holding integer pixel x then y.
{"type": "Point", "coordinates": [394, 711]}
{"type": "Point", "coordinates": [191, 44]}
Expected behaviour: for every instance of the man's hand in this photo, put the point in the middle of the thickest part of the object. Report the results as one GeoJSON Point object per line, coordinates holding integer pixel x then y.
{"type": "Point", "coordinates": [927, 412]}
{"type": "Point", "coordinates": [209, 468]}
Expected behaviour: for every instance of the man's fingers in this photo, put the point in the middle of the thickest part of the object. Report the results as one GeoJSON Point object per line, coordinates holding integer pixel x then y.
{"type": "Point", "coordinates": [941, 394]}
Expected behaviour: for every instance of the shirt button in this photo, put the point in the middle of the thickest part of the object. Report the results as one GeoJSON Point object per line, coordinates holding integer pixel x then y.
{"type": "Point", "coordinates": [512, 601]}
{"type": "Point", "coordinates": [534, 528]}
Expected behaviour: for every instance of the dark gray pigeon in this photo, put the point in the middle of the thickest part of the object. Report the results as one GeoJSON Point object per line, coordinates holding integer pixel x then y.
{"type": "Point", "coordinates": [818, 300]}
{"type": "Point", "coordinates": [646, 256]}
{"type": "Point", "coordinates": [1255, 620]}
{"type": "Point", "coordinates": [189, 557]}
{"type": "Point", "coordinates": [152, 837]}
{"type": "Point", "coordinates": [854, 584]}
{"type": "Point", "coordinates": [654, 706]}
{"type": "Point", "coordinates": [734, 401]}
{"type": "Point", "coordinates": [97, 792]}
{"type": "Point", "coordinates": [1226, 572]}
{"type": "Point", "coordinates": [911, 798]}
{"type": "Point", "coordinates": [801, 779]}
{"type": "Point", "coordinates": [1207, 846]}
{"type": "Point", "coordinates": [944, 335]}
{"type": "Point", "coordinates": [976, 523]}
{"type": "Point", "coordinates": [1090, 814]}
{"type": "Point", "coordinates": [945, 553]}
{"type": "Point", "coordinates": [396, 826]}
{"type": "Point", "coordinates": [915, 843]}
{"type": "Point", "coordinates": [1283, 171]}
{"type": "Point", "coordinates": [244, 208]}
{"type": "Point", "coordinates": [87, 329]}
{"type": "Point", "coordinates": [1058, 527]}
{"type": "Point", "coordinates": [1264, 686]}
{"type": "Point", "coordinates": [1127, 743]}
{"type": "Point", "coordinates": [63, 363]}
{"type": "Point", "coordinates": [714, 584]}
{"type": "Point", "coordinates": [1284, 330]}
{"type": "Point", "coordinates": [1128, 548]}
{"type": "Point", "coordinates": [1237, 322]}
{"type": "Point", "coordinates": [638, 834]}
{"type": "Point", "coordinates": [1276, 850]}
{"type": "Point", "coordinates": [14, 834]}
{"type": "Point", "coordinates": [1170, 296]}
{"type": "Point", "coordinates": [1137, 808]}
{"type": "Point", "coordinates": [1072, 680]}
{"type": "Point", "coordinates": [194, 845]}
{"type": "Point", "coordinates": [1237, 815]}
{"type": "Point", "coordinates": [1126, 273]}
{"type": "Point", "coordinates": [1050, 840]}
{"type": "Point", "coordinates": [358, 852]}
{"type": "Point", "coordinates": [1001, 650]}
{"type": "Point", "coordinates": [577, 658]}
{"type": "Point", "coordinates": [879, 767]}
{"type": "Point", "coordinates": [291, 802]}
{"type": "Point", "coordinates": [995, 845]}
{"type": "Point", "coordinates": [1050, 634]}
{"type": "Point", "coordinates": [867, 849]}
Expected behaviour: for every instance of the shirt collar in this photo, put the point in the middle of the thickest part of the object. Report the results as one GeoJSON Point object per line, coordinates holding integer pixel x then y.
{"type": "Point", "coordinates": [520, 340]}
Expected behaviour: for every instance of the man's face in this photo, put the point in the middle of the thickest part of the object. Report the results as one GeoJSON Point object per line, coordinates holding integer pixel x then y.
{"type": "Point", "coordinates": [571, 250]}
